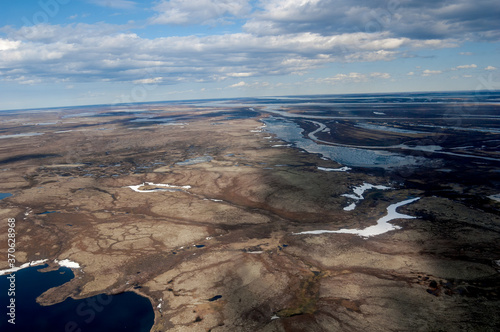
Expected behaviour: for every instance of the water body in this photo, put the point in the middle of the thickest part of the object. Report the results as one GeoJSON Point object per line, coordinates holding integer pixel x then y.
{"type": "Point", "coordinates": [4, 195]}
{"type": "Point", "coordinates": [20, 135]}
{"type": "Point", "coordinates": [123, 312]}
{"type": "Point", "coordinates": [290, 132]}
{"type": "Point", "coordinates": [194, 161]}
{"type": "Point", "coordinates": [370, 126]}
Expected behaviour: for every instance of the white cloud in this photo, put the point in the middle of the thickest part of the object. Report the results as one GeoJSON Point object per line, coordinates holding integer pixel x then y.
{"type": "Point", "coordinates": [239, 74]}
{"type": "Point", "coordinates": [352, 77]}
{"type": "Point", "coordinates": [243, 84]}
{"type": "Point", "coordinates": [419, 20]}
{"type": "Point", "coordinates": [465, 67]}
{"type": "Point", "coordinates": [238, 85]}
{"type": "Point", "coordinates": [101, 52]}
{"type": "Point", "coordinates": [380, 75]}
{"type": "Point", "coordinates": [428, 72]}
{"type": "Point", "coordinates": [154, 80]}
{"type": "Point", "coordinates": [490, 68]}
{"type": "Point", "coordinates": [6, 44]}
{"type": "Point", "coordinates": [410, 73]}
{"type": "Point", "coordinates": [199, 11]}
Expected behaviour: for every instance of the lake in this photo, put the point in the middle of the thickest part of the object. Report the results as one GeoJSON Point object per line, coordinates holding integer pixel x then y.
{"type": "Point", "coordinates": [4, 195]}
{"type": "Point", "coordinates": [122, 312]}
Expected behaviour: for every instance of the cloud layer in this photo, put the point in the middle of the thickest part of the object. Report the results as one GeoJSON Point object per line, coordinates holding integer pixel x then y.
{"type": "Point", "coordinates": [426, 19]}
{"type": "Point", "coordinates": [278, 37]}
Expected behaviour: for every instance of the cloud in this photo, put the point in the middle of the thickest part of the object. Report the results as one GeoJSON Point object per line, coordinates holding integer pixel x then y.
{"type": "Point", "coordinates": [352, 77]}
{"type": "Point", "coordinates": [240, 74]}
{"type": "Point", "coordinates": [465, 67]}
{"type": "Point", "coordinates": [490, 68]}
{"type": "Point", "coordinates": [6, 44]}
{"type": "Point", "coordinates": [115, 4]}
{"type": "Point", "coordinates": [104, 52]}
{"type": "Point", "coordinates": [423, 20]}
{"type": "Point", "coordinates": [380, 75]}
{"type": "Point", "coordinates": [152, 80]}
{"type": "Point", "coordinates": [257, 84]}
{"type": "Point", "coordinates": [238, 85]}
{"type": "Point", "coordinates": [205, 12]}
{"type": "Point", "coordinates": [410, 73]}
{"type": "Point", "coordinates": [428, 72]}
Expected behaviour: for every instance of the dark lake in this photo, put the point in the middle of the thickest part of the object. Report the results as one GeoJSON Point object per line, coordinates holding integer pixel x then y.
{"type": "Point", "coordinates": [122, 312]}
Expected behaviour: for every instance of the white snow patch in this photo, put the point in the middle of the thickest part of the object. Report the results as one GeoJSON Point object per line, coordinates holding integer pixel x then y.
{"type": "Point", "coordinates": [495, 197]}
{"type": "Point", "coordinates": [358, 194]}
{"type": "Point", "coordinates": [254, 252]}
{"type": "Point", "coordinates": [68, 263]}
{"type": "Point", "coordinates": [341, 169]}
{"type": "Point", "coordinates": [168, 187]}
{"type": "Point", "coordinates": [273, 317]}
{"type": "Point", "coordinates": [350, 207]}
{"type": "Point", "coordinates": [382, 226]}
{"type": "Point", "coordinates": [23, 266]}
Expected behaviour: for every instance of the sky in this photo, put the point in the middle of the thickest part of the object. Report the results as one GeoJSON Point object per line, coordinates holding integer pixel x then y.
{"type": "Point", "coordinates": [85, 52]}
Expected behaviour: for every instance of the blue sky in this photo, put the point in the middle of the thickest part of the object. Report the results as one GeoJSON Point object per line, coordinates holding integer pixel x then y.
{"type": "Point", "coordinates": [83, 52]}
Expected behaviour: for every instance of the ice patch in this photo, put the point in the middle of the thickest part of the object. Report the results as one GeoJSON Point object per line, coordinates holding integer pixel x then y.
{"type": "Point", "coordinates": [168, 187]}
{"type": "Point", "coordinates": [23, 266]}
{"type": "Point", "coordinates": [350, 207]}
{"type": "Point", "coordinates": [341, 169]}
{"type": "Point", "coordinates": [358, 194]}
{"type": "Point", "coordinates": [382, 226]}
{"type": "Point", "coordinates": [68, 263]}
{"type": "Point", "coordinates": [495, 197]}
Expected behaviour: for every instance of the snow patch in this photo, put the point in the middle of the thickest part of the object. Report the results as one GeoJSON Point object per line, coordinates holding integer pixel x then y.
{"type": "Point", "coordinates": [382, 226]}
{"type": "Point", "coordinates": [350, 207]}
{"type": "Point", "coordinates": [68, 263]}
{"type": "Point", "coordinates": [163, 187]}
{"type": "Point", "coordinates": [23, 266]}
{"type": "Point", "coordinates": [341, 169]}
{"type": "Point", "coordinates": [495, 197]}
